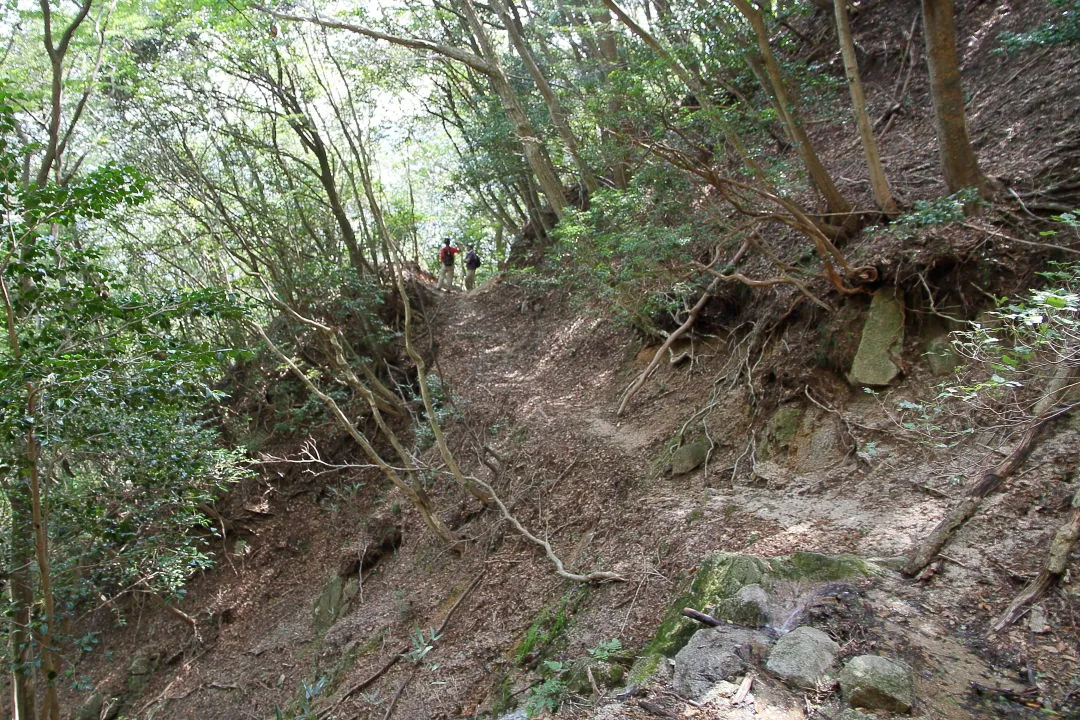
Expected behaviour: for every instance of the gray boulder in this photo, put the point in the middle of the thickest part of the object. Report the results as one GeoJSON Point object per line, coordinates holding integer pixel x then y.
{"type": "Point", "coordinates": [690, 457]}
{"type": "Point", "coordinates": [714, 655]}
{"type": "Point", "coordinates": [877, 683]}
{"type": "Point", "coordinates": [749, 607]}
{"type": "Point", "coordinates": [942, 357]}
{"type": "Point", "coordinates": [801, 657]}
{"type": "Point", "coordinates": [91, 709]}
{"type": "Point", "coordinates": [882, 342]}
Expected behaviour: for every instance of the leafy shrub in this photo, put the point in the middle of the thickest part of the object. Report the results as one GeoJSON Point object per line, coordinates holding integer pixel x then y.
{"type": "Point", "coordinates": [1062, 30]}
{"type": "Point", "coordinates": [626, 246]}
{"type": "Point", "coordinates": [931, 213]}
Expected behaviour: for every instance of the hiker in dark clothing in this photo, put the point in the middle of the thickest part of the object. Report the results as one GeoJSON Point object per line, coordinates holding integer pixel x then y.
{"type": "Point", "coordinates": [446, 259]}
{"type": "Point", "coordinates": [472, 262]}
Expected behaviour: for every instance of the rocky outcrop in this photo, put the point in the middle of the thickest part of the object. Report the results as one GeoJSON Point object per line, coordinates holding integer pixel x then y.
{"type": "Point", "coordinates": [714, 655]}
{"type": "Point", "coordinates": [881, 344]}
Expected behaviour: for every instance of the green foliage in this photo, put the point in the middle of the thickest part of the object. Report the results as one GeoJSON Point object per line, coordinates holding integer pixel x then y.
{"type": "Point", "coordinates": [606, 649]}
{"type": "Point", "coordinates": [931, 213]}
{"type": "Point", "coordinates": [545, 697]}
{"type": "Point", "coordinates": [547, 631]}
{"type": "Point", "coordinates": [445, 404]}
{"type": "Point", "coordinates": [112, 384]}
{"type": "Point", "coordinates": [1062, 30]}
{"type": "Point", "coordinates": [421, 644]}
{"type": "Point", "coordinates": [1023, 343]}
{"type": "Point", "coordinates": [624, 249]}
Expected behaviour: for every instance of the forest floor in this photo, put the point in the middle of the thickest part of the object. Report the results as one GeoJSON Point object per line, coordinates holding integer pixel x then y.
{"type": "Point", "coordinates": [537, 377]}
{"type": "Point", "coordinates": [538, 383]}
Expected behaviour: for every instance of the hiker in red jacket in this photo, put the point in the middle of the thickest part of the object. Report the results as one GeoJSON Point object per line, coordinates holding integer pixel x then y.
{"type": "Point", "coordinates": [446, 259]}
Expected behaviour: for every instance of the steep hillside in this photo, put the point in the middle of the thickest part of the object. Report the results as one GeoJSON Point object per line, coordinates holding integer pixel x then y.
{"type": "Point", "coordinates": [332, 600]}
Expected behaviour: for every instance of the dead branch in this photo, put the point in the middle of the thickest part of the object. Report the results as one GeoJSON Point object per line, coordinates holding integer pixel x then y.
{"type": "Point", "coordinates": [1057, 561]}
{"type": "Point", "coordinates": [647, 373]}
{"type": "Point", "coordinates": [560, 569]}
{"type": "Point", "coordinates": [701, 617]}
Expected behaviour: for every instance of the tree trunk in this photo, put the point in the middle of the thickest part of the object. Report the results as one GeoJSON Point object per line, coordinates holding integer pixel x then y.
{"type": "Point", "coordinates": [608, 48]}
{"type": "Point", "coordinates": [21, 581]}
{"type": "Point", "coordinates": [878, 182]}
{"type": "Point", "coordinates": [554, 107]}
{"type": "Point", "coordinates": [958, 162]}
{"type": "Point", "coordinates": [45, 636]}
{"type": "Point", "coordinates": [535, 154]}
{"type": "Point", "coordinates": [788, 112]}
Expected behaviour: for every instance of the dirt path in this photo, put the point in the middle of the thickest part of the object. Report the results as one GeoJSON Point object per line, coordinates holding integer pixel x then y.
{"type": "Point", "coordinates": [544, 383]}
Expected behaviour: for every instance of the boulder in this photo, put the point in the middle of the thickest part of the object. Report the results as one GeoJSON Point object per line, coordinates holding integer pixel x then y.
{"type": "Point", "coordinates": [749, 607]}
{"type": "Point", "coordinates": [877, 683]}
{"type": "Point", "coordinates": [801, 657]}
{"type": "Point", "coordinates": [690, 456]}
{"type": "Point", "coordinates": [942, 357]}
{"type": "Point", "coordinates": [881, 344]}
{"type": "Point", "coordinates": [139, 672]}
{"type": "Point", "coordinates": [91, 709]}
{"type": "Point", "coordinates": [714, 655]}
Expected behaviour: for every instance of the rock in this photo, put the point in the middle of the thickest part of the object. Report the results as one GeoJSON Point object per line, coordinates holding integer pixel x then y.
{"type": "Point", "coordinates": [606, 674]}
{"type": "Point", "coordinates": [714, 655]}
{"type": "Point", "coordinates": [780, 430]}
{"type": "Point", "coordinates": [942, 357]}
{"type": "Point", "coordinates": [877, 683]}
{"type": "Point", "coordinates": [749, 607]}
{"type": "Point", "coordinates": [881, 343]}
{"type": "Point", "coordinates": [1037, 620]}
{"type": "Point", "coordinates": [721, 576]}
{"type": "Point", "coordinates": [690, 456]}
{"type": "Point", "coordinates": [801, 657]}
{"type": "Point", "coordinates": [821, 442]}
{"type": "Point", "coordinates": [91, 709]}
{"type": "Point", "coordinates": [331, 603]}
{"type": "Point", "coordinates": [139, 673]}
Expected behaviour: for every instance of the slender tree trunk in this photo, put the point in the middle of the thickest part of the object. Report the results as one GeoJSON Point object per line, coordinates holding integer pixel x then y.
{"type": "Point", "coordinates": [21, 580]}
{"type": "Point", "coordinates": [600, 19]}
{"type": "Point", "coordinates": [535, 154]}
{"type": "Point", "coordinates": [788, 112]}
{"type": "Point", "coordinates": [958, 162]}
{"type": "Point", "coordinates": [46, 634]}
{"type": "Point", "coordinates": [555, 108]}
{"type": "Point", "coordinates": [878, 182]}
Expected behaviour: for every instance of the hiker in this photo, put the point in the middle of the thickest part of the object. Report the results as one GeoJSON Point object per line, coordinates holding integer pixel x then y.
{"type": "Point", "coordinates": [472, 261]}
{"type": "Point", "coordinates": [446, 259]}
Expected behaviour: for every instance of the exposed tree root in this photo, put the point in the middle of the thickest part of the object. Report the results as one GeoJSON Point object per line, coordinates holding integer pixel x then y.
{"type": "Point", "coordinates": [986, 485]}
{"type": "Point", "coordinates": [560, 569]}
{"type": "Point", "coordinates": [1057, 561]}
{"type": "Point", "coordinates": [647, 373]}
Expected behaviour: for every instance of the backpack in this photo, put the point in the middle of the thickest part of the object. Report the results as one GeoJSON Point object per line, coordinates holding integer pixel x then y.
{"type": "Point", "coordinates": [472, 260]}
{"type": "Point", "coordinates": [446, 256]}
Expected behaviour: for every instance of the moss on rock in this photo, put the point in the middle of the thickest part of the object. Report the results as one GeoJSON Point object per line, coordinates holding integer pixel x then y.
{"type": "Point", "coordinates": [720, 579]}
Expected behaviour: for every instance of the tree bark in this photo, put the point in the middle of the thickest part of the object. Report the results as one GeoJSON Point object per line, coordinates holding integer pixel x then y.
{"type": "Point", "coordinates": [535, 153]}
{"type": "Point", "coordinates": [878, 182]}
{"type": "Point", "coordinates": [555, 109]}
{"type": "Point", "coordinates": [788, 112]}
{"type": "Point", "coordinates": [958, 162]}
